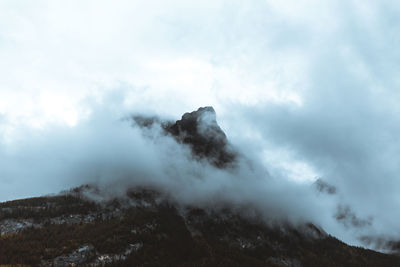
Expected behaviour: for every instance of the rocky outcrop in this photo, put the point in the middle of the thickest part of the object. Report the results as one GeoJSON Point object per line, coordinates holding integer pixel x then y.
{"type": "Point", "coordinates": [200, 131]}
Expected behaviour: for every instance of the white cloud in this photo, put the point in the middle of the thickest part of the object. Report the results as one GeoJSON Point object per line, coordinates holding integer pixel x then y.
{"type": "Point", "coordinates": [176, 51]}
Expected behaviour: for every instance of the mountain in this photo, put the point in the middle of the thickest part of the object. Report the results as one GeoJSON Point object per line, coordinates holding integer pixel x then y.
{"type": "Point", "coordinates": [200, 131]}
{"type": "Point", "coordinates": [146, 227]}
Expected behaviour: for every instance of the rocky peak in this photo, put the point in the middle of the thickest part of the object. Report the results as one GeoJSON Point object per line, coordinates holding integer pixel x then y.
{"type": "Point", "coordinates": [200, 130]}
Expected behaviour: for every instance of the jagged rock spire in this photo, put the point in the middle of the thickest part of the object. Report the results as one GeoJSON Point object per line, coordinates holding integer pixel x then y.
{"type": "Point", "coordinates": [200, 130]}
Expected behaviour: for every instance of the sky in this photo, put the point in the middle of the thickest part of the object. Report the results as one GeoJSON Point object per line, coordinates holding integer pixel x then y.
{"type": "Point", "coordinates": [306, 89]}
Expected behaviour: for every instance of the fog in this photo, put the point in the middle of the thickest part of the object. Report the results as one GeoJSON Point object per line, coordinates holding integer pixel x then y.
{"type": "Point", "coordinates": [304, 91]}
{"type": "Point", "coordinates": [114, 154]}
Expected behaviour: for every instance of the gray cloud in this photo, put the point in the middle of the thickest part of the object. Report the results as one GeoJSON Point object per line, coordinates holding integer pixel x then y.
{"type": "Point", "coordinates": [347, 127]}
{"type": "Point", "coordinates": [114, 155]}
{"type": "Point", "coordinates": [314, 83]}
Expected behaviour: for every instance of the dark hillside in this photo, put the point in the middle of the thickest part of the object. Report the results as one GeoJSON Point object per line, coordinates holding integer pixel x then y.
{"type": "Point", "coordinates": [163, 234]}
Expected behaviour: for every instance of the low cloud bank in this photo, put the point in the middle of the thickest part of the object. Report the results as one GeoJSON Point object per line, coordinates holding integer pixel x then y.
{"type": "Point", "coordinates": [117, 154]}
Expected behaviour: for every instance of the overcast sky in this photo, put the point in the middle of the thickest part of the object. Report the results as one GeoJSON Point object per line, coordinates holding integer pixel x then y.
{"type": "Point", "coordinates": [308, 89]}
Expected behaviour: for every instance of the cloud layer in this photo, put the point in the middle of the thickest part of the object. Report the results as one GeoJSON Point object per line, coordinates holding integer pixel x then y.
{"type": "Point", "coordinates": [305, 90]}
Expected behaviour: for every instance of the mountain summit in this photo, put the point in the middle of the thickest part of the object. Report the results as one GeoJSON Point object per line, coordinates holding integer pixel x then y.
{"type": "Point", "coordinates": [200, 130]}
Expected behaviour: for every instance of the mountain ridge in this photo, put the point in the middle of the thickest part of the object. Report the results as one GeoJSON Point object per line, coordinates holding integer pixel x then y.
{"type": "Point", "coordinates": [144, 228]}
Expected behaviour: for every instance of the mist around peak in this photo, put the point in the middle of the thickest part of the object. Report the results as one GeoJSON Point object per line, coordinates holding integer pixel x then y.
{"type": "Point", "coordinates": [191, 160]}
